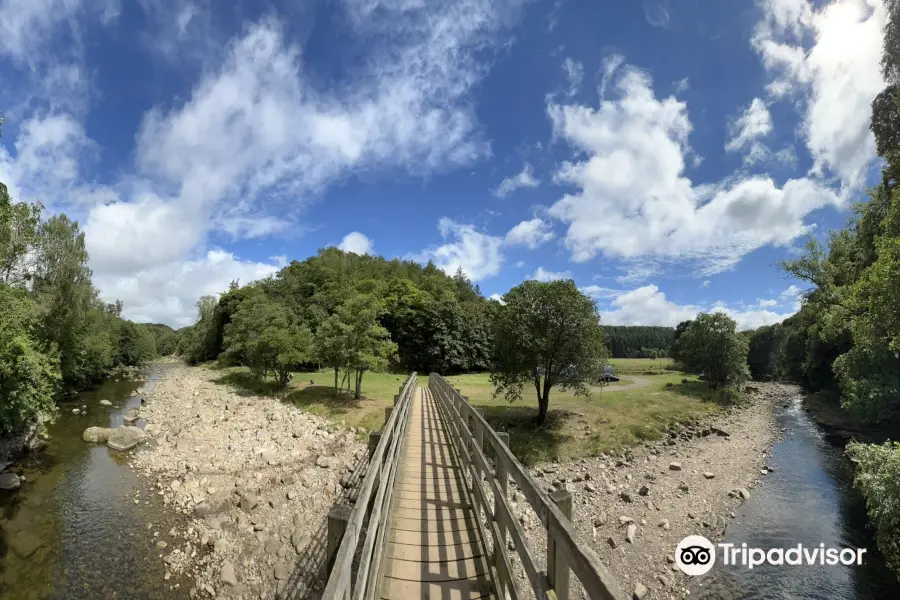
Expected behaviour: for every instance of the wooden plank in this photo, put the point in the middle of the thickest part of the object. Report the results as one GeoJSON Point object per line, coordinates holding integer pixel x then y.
{"type": "Point", "coordinates": [450, 570]}
{"type": "Point", "coordinates": [437, 526]}
{"type": "Point", "coordinates": [435, 553]}
{"type": "Point", "coordinates": [466, 589]}
{"type": "Point", "coordinates": [435, 538]}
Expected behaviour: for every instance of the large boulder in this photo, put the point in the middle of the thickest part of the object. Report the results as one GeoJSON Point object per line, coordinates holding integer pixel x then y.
{"type": "Point", "coordinates": [125, 438]}
{"type": "Point", "coordinates": [9, 481]}
{"type": "Point", "coordinates": [97, 435]}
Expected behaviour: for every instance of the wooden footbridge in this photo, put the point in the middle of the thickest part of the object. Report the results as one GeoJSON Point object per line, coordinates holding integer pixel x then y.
{"type": "Point", "coordinates": [432, 519]}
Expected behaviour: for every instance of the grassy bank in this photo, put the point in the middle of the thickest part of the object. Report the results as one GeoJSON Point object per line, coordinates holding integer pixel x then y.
{"type": "Point", "coordinates": [609, 419]}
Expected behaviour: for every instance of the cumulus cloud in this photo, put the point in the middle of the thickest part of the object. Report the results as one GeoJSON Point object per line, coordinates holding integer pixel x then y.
{"type": "Point", "coordinates": [634, 201]}
{"type": "Point", "coordinates": [531, 234]}
{"type": "Point", "coordinates": [541, 274]}
{"type": "Point", "coordinates": [828, 59]}
{"type": "Point", "coordinates": [524, 179]}
{"type": "Point", "coordinates": [356, 243]}
{"type": "Point", "coordinates": [648, 305]}
{"type": "Point", "coordinates": [476, 253]}
{"type": "Point", "coordinates": [747, 130]}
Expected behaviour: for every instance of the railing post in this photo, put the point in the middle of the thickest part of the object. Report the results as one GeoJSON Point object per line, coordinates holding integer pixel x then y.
{"type": "Point", "coordinates": [338, 517]}
{"type": "Point", "coordinates": [557, 567]}
{"type": "Point", "coordinates": [374, 438]}
{"type": "Point", "coordinates": [387, 414]}
{"type": "Point", "coordinates": [396, 399]}
{"type": "Point", "coordinates": [502, 476]}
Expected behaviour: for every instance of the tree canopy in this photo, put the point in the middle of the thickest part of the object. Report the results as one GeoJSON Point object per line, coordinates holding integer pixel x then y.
{"type": "Point", "coordinates": [548, 335]}
{"type": "Point", "coordinates": [712, 346]}
{"type": "Point", "coordinates": [625, 341]}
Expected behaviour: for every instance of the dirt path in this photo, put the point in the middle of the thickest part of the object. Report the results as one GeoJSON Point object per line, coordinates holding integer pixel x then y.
{"type": "Point", "coordinates": [661, 492]}
{"type": "Point", "coordinates": [636, 382]}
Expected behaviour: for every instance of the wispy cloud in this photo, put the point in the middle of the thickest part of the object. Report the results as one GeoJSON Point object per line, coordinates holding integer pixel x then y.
{"type": "Point", "coordinates": [523, 179]}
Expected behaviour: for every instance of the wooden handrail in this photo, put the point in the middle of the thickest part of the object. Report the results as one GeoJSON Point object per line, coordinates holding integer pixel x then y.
{"type": "Point", "coordinates": [565, 552]}
{"type": "Point", "coordinates": [372, 507]}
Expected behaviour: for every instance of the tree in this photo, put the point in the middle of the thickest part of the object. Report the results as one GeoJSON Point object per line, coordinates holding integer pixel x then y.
{"type": "Point", "coordinates": [19, 238]}
{"type": "Point", "coordinates": [547, 334]}
{"type": "Point", "coordinates": [676, 350]}
{"type": "Point", "coordinates": [29, 371]}
{"type": "Point", "coordinates": [330, 347]}
{"type": "Point", "coordinates": [712, 346]}
{"type": "Point", "coordinates": [765, 346]}
{"type": "Point", "coordinates": [878, 477]}
{"type": "Point", "coordinates": [264, 336]}
{"type": "Point", "coordinates": [368, 344]}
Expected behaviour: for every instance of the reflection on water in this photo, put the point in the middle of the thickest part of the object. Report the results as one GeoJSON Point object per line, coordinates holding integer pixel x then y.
{"type": "Point", "coordinates": [74, 531]}
{"type": "Point", "coordinates": [809, 499]}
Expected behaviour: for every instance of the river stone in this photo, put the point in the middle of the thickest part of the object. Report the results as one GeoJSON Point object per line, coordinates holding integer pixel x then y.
{"type": "Point", "coordinates": [125, 438]}
{"type": "Point", "coordinates": [226, 575]}
{"type": "Point", "coordinates": [131, 415]}
{"type": "Point", "coordinates": [282, 572]}
{"type": "Point", "coordinates": [25, 544]}
{"type": "Point", "coordinates": [630, 532]}
{"type": "Point", "coordinates": [674, 466]}
{"type": "Point", "coordinates": [744, 493]}
{"type": "Point", "coordinates": [97, 435]}
{"type": "Point", "coordinates": [323, 462]}
{"type": "Point", "coordinates": [640, 591]}
{"type": "Point", "coordinates": [269, 457]}
{"type": "Point", "coordinates": [202, 509]}
{"type": "Point", "coordinates": [9, 481]}
{"type": "Point", "coordinates": [105, 403]}
{"type": "Point", "coordinates": [76, 411]}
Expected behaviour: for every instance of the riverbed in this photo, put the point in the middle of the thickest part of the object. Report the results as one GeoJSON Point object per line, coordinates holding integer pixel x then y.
{"type": "Point", "coordinates": [809, 499]}
{"type": "Point", "coordinates": [73, 530]}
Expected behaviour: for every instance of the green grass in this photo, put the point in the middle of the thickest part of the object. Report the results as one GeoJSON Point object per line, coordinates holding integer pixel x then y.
{"type": "Point", "coordinates": [576, 426]}
{"type": "Point", "coordinates": [581, 426]}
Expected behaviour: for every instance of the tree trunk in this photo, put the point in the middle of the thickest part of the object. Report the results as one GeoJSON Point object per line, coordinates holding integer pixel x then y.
{"type": "Point", "coordinates": [359, 376]}
{"type": "Point", "coordinates": [336, 381]}
{"type": "Point", "coordinates": [543, 405]}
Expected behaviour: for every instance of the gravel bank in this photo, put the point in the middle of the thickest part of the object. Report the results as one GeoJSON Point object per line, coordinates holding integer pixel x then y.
{"type": "Point", "coordinates": [255, 478]}
{"type": "Point", "coordinates": [634, 508]}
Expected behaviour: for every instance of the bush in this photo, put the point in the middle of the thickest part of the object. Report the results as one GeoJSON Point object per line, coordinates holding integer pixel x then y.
{"type": "Point", "coordinates": [878, 477]}
{"type": "Point", "coordinates": [29, 373]}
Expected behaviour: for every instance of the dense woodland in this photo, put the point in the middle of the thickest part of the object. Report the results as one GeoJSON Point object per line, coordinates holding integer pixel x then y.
{"type": "Point", "coordinates": [638, 341]}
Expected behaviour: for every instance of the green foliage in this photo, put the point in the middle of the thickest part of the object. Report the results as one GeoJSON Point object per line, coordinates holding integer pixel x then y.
{"type": "Point", "coordinates": [638, 341]}
{"type": "Point", "coordinates": [547, 334]}
{"type": "Point", "coordinates": [712, 346]}
{"type": "Point", "coordinates": [136, 344]}
{"type": "Point", "coordinates": [765, 351]}
{"type": "Point", "coordinates": [264, 336]}
{"type": "Point", "coordinates": [878, 477]}
{"type": "Point", "coordinates": [29, 373]}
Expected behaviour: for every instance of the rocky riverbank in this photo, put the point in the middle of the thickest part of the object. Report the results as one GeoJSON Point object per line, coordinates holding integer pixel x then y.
{"type": "Point", "coordinates": [635, 507]}
{"type": "Point", "coordinates": [255, 479]}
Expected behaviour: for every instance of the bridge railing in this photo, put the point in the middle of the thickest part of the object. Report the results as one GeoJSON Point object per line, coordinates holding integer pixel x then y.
{"type": "Point", "coordinates": [357, 541]}
{"type": "Point", "coordinates": [471, 435]}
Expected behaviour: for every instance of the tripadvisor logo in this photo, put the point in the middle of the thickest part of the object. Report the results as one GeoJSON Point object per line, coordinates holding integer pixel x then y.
{"type": "Point", "coordinates": [696, 555]}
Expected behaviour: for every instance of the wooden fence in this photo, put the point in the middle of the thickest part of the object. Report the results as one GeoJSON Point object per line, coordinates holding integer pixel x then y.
{"type": "Point", "coordinates": [357, 537]}
{"type": "Point", "coordinates": [471, 435]}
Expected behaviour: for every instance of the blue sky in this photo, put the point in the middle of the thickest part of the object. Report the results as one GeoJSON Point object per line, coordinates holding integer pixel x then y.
{"type": "Point", "coordinates": [665, 154]}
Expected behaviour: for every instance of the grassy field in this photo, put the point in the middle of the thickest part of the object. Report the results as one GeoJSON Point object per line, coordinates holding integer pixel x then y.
{"type": "Point", "coordinates": [576, 426]}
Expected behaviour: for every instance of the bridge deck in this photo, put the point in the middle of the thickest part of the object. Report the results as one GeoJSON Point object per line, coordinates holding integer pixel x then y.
{"type": "Point", "coordinates": [435, 551]}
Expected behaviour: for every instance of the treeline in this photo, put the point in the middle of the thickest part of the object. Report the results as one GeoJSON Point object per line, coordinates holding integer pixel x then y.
{"type": "Point", "coordinates": [56, 335]}
{"type": "Point", "coordinates": [350, 313]}
{"type": "Point", "coordinates": [638, 341]}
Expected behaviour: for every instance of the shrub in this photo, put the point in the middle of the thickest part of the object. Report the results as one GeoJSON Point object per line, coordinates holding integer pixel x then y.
{"type": "Point", "coordinates": [878, 477]}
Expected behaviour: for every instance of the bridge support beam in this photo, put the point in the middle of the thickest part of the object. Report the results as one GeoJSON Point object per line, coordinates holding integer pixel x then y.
{"type": "Point", "coordinates": [557, 567]}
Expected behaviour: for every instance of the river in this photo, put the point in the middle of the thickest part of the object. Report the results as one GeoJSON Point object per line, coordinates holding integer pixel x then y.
{"type": "Point", "coordinates": [73, 529]}
{"type": "Point", "coordinates": [808, 499]}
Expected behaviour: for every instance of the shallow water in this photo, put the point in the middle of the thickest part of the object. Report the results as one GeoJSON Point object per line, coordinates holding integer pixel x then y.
{"type": "Point", "coordinates": [809, 499]}
{"type": "Point", "coordinates": [79, 509]}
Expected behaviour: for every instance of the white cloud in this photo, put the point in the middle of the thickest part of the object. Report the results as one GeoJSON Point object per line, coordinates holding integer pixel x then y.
{"type": "Point", "coordinates": [168, 292]}
{"type": "Point", "coordinates": [648, 305]}
{"type": "Point", "coordinates": [746, 131]}
{"type": "Point", "coordinates": [791, 292]}
{"type": "Point", "coordinates": [544, 275]}
{"type": "Point", "coordinates": [705, 284]}
{"type": "Point", "coordinates": [682, 85]}
{"type": "Point", "coordinates": [257, 137]}
{"type": "Point", "coordinates": [767, 303]}
{"type": "Point", "coordinates": [531, 234]}
{"type": "Point", "coordinates": [830, 57]}
{"type": "Point", "coordinates": [498, 298]}
{"type": "Point", "coordinates": [634, 202]}
{"type": "Point", "coordinates": [574, 75]}
{"type": "Point", "coordinates": [657, 13]}
{"type": "Point", "coordinates": [598, 292]}
{"type": "Point", "coordinates": [524, 179]}
{"type": "Point", "coordinates": [356, 243]}
{"type": "Point", "coordinates": [477, 254]}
